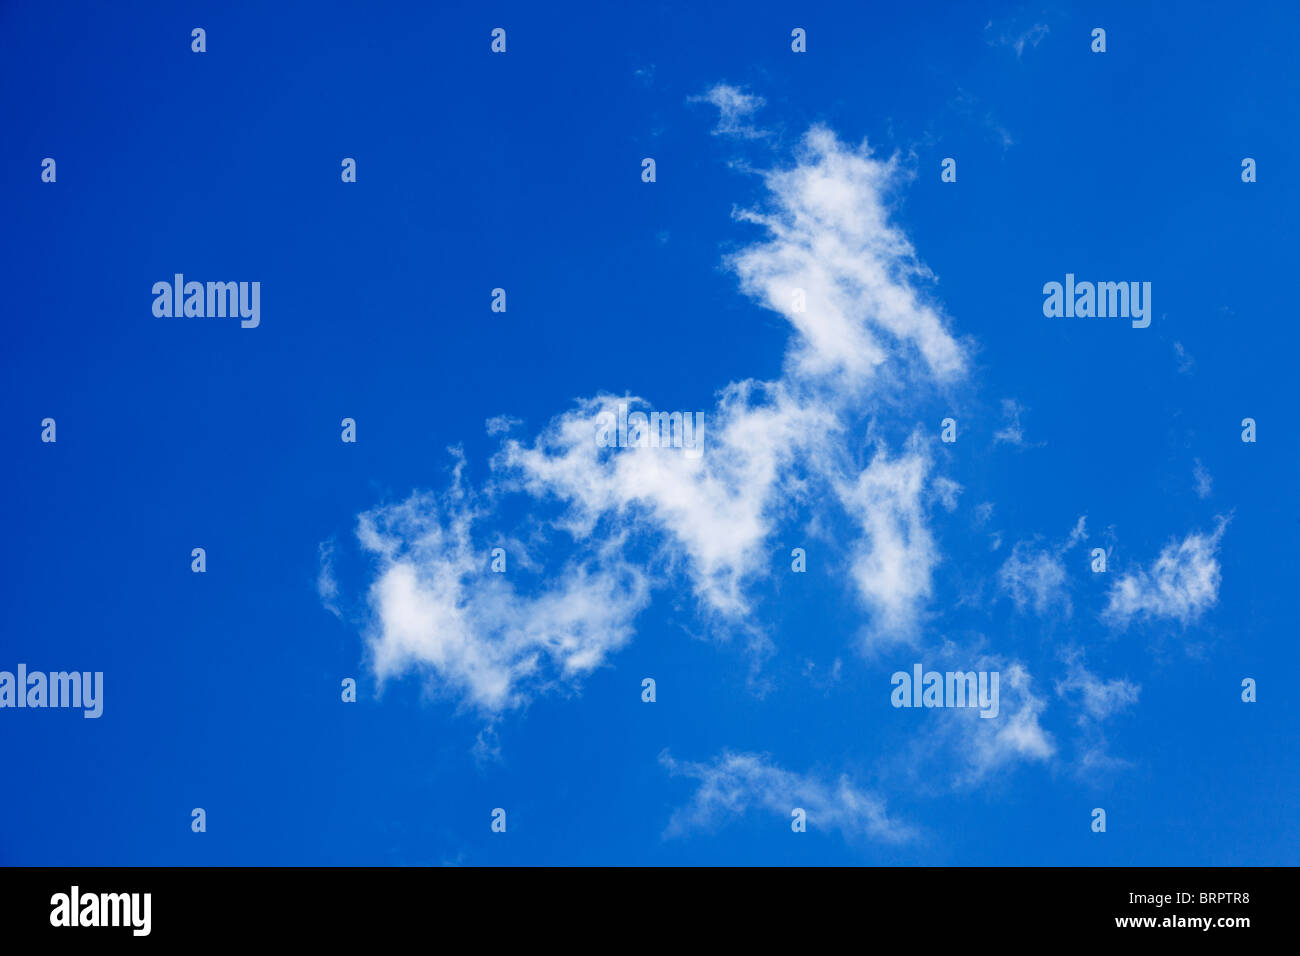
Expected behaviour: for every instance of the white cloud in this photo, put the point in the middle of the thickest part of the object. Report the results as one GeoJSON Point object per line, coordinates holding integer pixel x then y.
{"type": "Point", "coordinates": [1181, 585]}
{"type": "Point", "coordinates": [1097, 698]}
{"type": "Point", "coordinates": [1016, 38]}
{"type": "Point", "coordinates": [1079, 533]}
{"type": "Point", "coordinates": [893, 563]}
{"type": "Point", "coordinates": [1204, 483]}
{"type": "Point", "coordinates": [438, 608]}
{"type": "Point", "coordinates": [1095, 757]}
{"type": "Point", "coordinates": [968, 749]}
{"type": "Point", "coordinates": [735, 783]}
{"type": "Point", "coordinates": [832, 238]}
{"type": "Point", "coordinates": [1012, 432]}
{"type": "Point", "coordinates": [1014, 735]}
{"type": "Point", "coordinates": [500, 424]}
{"type": "Point", "coordinates": [867, 335]}
{"type": "Point", "coordinates": [716, 510]}
{"type": "Point", "coordinates": [734, 108]}
{"type": "Point", "coordinates": [984, 747]}
{"type": "Point", "coordinates": [326, 585]}
{"type": "Point", "coordinates": [947, 491]}
{"type": "Point", "coordinates": [1034, 576]}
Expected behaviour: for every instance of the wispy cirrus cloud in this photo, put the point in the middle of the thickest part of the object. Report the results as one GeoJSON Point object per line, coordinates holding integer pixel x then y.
{"type": "Point", "coordinates": [607, 528]}
{"type": "Point", "coordinates": [1096, 698]}
{"type": "Point", "coordinates": [1016, 735]}
{"type": "Point", "coordinates": [735, 107]}
{"type": "Point", "coordinates": [1204, 483]}
{"type": "Point", "coordinates": [895, 558]}
{"type": "Point", "coordinates": [1012, 431]}
{"type": "Point", "coordinates": [734, 784]}
{"type": "Point", "coordinates": [861, 326]}
{"type": "Point", "coordinates": [830, 261]}
{"type": "Point", "coordinates": [440, 611]}
{"type": "Point", "coordinates": [713, 512]}
{"type": "Point", "coordinates": [327, 586]}
{"type": "Point", "coordinates": [841, 274]}
{"type": "Point", "coordinates": [1034, 576]}
{"type": "Point", "coordinates": [865, 320]}
{"type": "Point", "coordinates": [1016, 37]}
{"type": "Point", "coordinates": [955, 748]}
{"type": "Point", "coordinates": [1180, 585]}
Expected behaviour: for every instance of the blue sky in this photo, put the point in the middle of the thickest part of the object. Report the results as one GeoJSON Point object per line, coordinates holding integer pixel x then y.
{"type": "Point", "coordinates": [522, 171]}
